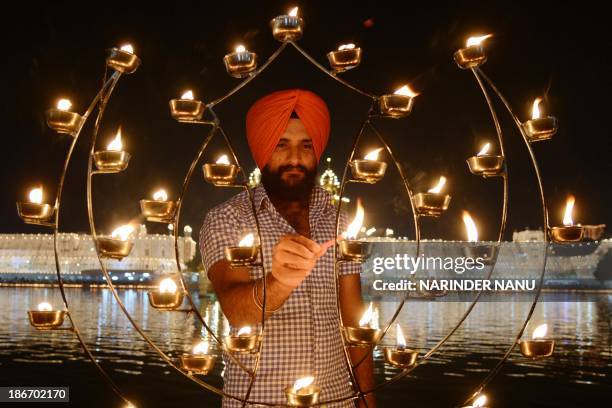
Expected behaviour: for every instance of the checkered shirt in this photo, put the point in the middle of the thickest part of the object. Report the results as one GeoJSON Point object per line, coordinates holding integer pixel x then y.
{"type": "Point", "coordinates": [301, 338]}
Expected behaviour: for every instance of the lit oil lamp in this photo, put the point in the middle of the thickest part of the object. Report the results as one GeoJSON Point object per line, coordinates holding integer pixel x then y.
{"type": "Point", "coordinates": [352, 249]}
{"type": "Point", "coordinates": [160, 209]}
{"type": "Point", "coordinates": [198, 361]}
{"type": "Point", "coordinates": [369, 169]}
{"type": "Point", "coordinates": [400, 356]}
{"type": "Point", "coordinates": [568, 232]}
{"type": "Point", "coordinates": [538, 346]}
{"type": "Point", "coordinates": [479, 402]}
{"type": "Point", "coordinates": [35, 211]}
{"type": "Point", "coordinates": [244, 341]}
{"type": "Point", "coordinates": [186, 108]}
{"type": "Point", "coordinates": [117, 246]}
{"type": "Point", "coordinates": [45, 318]}
{"type": "Point", "coordinates": [538, 127]}
{"type": "Point", "coordinates": [62, 120]}
{"type": "Point", "coordinates": [432, 203]}
{"type": "Point", "coordinates": [367, 334]}
{"type": "Point", "coordinates": [474, 249]}
{"type": "Point", "coordinates": [303, 393]}
{"type": "Point", "coordinates": [167, 297]}
{"type": "Point", "coordinates": [473, 55]}
{"type": "Point", "coordinates": [398, 104]}
{"type": "Point", "coordinates": [243, 254]}
{"type": "Point", "coordinates": [346, 57]}
{"type": "Point", "coordinates": [123, 59]}
{"type": "Point", "coordinates": [114, 159]}
{"type": "Point", "coordinates": [240, 63]}
{"type": "Point", "coordinates": [485, 164]}
{"type": "Point", "coordinates": [288, 27]}
{"type": "Point", "coordinates": [221, 173]}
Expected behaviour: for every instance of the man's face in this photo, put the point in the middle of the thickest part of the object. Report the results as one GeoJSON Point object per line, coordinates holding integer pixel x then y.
{"type": "Point", "coordinates": [292, 168]}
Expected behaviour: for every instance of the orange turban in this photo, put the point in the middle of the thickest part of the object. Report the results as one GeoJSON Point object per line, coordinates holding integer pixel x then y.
{"type": "Point", "coordinates": [268, 118]}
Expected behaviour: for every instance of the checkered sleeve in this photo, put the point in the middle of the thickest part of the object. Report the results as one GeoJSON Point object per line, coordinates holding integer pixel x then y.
{"type": "Point", "coordinates": [219, 230]}
{"type": "Point", "coordinates": [347, 268]}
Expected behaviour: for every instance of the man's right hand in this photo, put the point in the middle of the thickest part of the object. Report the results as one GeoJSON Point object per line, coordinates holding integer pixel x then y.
{"type": "Point", "coordinates": [293, 258]}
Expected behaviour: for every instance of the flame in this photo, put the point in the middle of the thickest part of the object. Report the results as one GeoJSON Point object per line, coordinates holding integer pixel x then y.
{"type": "Point", "coordinates": [373, 155]}
{"type": "Point", "coordinates": [569, 207]}
{"type": "Point", "coordinates": [244, 331]}
{"type": "Point", "coordinates": [36, 195]}
{"type": "Point", "coordinates": [535, 112]}
{"type": "Point", "coordinates": [346, 47]}
{"type": "Point", "coordinates": [223, 159]}
{"type": "Point", "coordinates": [405, 90]}
{"type": "Point", "coordinates": [123, 232]}
{"type": "Point", "coordinates": [64, 104]}
{"type": "Point", "coordinates": [160, 195]}
{"type": "Point", "coordinates": [44, 307]}
{"type": "Point", "coordinates": [470, 227]}
{"type": "Point", "coordinates": [540, 331]}
{"type": "Point", "coordinates": [188, 95]}
{"type": "Point", "coordinates": [366, 319]}
{"type": "Point", "coordinates": [480, 401]}
{"type": "Point", "coordinates": [439, 186]}
{"type": "Point", "coordinates": [240, 48]}
{"type": "Point", "coordinates": [167, 286]}
{"type": "Point", "coordinates": [293, 12]}
{"type": "Point", "coordinates": [354, 227]}
{"type": "Point", "coordinates": [201, 348]}
{"type": "Point", "coordinates": [301, 383]}
{"type": "Point", "coordinates": [116, 144]}
{"type": "Point", "coordinates": [484, 150]}
{"type": "Point", "coordinates": [472, 41]}
{"type": "Point", "coordinates": [247, 241]}
{"type": "Point", "coordinates": [401, 340]}
{"type": "Point", "coordinates": [127, 48]}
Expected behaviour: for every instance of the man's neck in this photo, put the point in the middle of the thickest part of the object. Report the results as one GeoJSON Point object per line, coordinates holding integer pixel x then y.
{"type": "Point", "coordinates": [295, 212]}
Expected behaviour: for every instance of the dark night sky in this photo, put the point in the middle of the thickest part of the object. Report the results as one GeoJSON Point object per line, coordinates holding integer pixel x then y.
{"type": "Point", "coordinates": [535, 51]}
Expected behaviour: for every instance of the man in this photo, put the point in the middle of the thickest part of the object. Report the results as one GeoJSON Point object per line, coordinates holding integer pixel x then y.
{"type": "Point", "coordinates": [287, 132]}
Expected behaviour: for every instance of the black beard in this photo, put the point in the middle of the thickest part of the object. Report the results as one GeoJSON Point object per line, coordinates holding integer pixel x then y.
{"type": "Point", "coordinates": [278, 189]}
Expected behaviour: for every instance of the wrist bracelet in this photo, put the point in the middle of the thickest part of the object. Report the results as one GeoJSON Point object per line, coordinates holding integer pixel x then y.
{"type": "Point", "coordinates": [258, 303]}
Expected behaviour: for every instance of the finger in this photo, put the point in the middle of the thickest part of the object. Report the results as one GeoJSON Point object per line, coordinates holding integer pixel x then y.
{"type": "Point", "coordinates": [289, 257]}
{"type": "Point", "coordinates": [308, 243]}
{"type": "Point", "coordinates": [296, 248]}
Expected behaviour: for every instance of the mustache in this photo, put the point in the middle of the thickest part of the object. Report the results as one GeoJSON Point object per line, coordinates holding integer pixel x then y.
{"type": "Point", "coordinates": [289, 167]}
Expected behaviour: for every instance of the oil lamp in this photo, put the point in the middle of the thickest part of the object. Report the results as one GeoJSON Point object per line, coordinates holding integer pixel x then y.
{"type": "Point", "coordinates": [160, 209]}
{"type": "Point", "coordinates": [346, 57]}
{"type": "Point", "coordinates": [538, 346]}
{"type": "Point", "coordinates": [367, 334]}
{"type": "Point", "coordinates": [186, 108]}
{"type": "Point", "coordinates": [117, 245]}
{"type": "Point", "coordinates": [198, 361]}
{"type": "Point", "coordinates": [352, 249]}
{"type": "Point", "coordinates": [539, 128]}
{"type": "Point", "coordinates": [114, 159]}
{"type": "Point", "coordinates": [45, 318]}
{"type": "Point", "coordinates": [221, 173]}
{"type": "Point", "coordinates": [400, 356]}
{"type": "Point", "coordinates": [241, 62]}
{"type": "Point", "coordinates": [288, 27]}
{"type": "Point", "coordinates": [473, 55]}
{"type": "Point", "coordinates": [123, 59]}
{"type": "Point", "coordinates": [167, 296]}
{"type": "Point", "coordinates": [303, 393]}
{"type": "Point", "coordinates": [34, 211]}
{"type": "Point", "coordinates": [432, 203]}
{"type": "Point", "coordinates": [485, 164]}
{"type": "Point", "coordinates": [568, 232]}
{"type": "Point", "coordinates": [398, 104]}
{"type": "Point", "coordinates": [369, 169]}
{"type": "Point", "coordinates": [474, 249]}
{"type": "Point", "coordinates": [243, 254]}
{"type": "Point", "coordinates": [62, 120]}
{"type": "Point", "coordinates": [244, 341]}
{"type": "Point", "coordinates": [478, 402]}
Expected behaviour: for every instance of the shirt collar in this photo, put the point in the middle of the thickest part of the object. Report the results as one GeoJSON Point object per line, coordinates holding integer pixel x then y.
{"type": "Point", "coordinates": [319, 198]}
